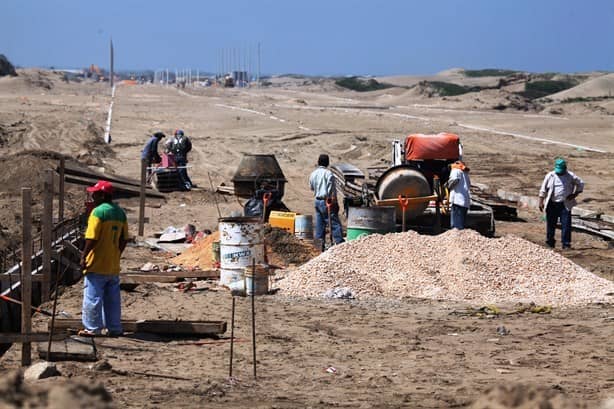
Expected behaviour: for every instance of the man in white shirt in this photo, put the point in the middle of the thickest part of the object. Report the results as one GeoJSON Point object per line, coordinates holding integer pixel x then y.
{"type": "Point", "coordinates": [460, 198]}
{"type": "Point", "coordinates": [558, 196]}
{"type": "Point", "coordinates": [322, 184]}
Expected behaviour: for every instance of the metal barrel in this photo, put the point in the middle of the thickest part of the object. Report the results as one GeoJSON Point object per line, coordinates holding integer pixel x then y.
{"type": "Point", "coordinates": [406, 182]}
{"type": "Point", "coordinates": [303, 226]}
{"type": "Point", "coordinates": [241, 243]}
{"type": "Point", "coordinates": [363, 221]}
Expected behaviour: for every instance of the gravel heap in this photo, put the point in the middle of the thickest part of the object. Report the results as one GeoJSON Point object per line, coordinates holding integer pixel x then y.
{"type": "Point", "coordinates": [456, 265]}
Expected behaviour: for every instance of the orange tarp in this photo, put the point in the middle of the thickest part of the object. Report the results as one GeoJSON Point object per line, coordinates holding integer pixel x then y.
{"type": "Point", "coordinates": [423, 147]}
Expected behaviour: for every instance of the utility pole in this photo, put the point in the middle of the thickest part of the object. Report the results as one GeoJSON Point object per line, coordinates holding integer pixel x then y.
{"type": "Point", "coordinates": [111, 70]}
{"type": "Point", "coordinates": [258, 79]}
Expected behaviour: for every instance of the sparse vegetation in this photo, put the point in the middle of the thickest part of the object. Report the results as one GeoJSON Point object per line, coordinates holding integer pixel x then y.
{"type": "Point", "coordinates": [539, 89]}
{"type": "Point", "coordinates": [586, 99]}
{"type": "Point", "coordinates": [361, 85]}
{"type": "Point", "coordinates": [448, 89]}
{"type": "Point", "coordinates": [490, 72]}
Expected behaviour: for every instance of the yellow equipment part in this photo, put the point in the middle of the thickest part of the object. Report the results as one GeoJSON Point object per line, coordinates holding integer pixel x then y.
{"type": "Point", "coordinates": [282, 220]}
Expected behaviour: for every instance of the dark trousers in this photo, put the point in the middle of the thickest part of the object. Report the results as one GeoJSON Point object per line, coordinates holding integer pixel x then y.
{"type": "Point", "coordinates": [183, 172]}
{"type": "Point", "coordinates": [554, 212]}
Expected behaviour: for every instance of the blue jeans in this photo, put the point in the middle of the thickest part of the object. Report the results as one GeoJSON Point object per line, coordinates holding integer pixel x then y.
{"type": "Point", "coordinates": [102, 306]}
{"type": "Point", "coordinates": [322, 221]}
{"type": "Point", "coordinates": [457, 217]}
{"type": "Point", "coordinates": [554, 212]}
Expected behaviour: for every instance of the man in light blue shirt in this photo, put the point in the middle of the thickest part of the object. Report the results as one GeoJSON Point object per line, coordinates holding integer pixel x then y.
{"type": "Point", "coordinates": [558, 196]}
{"type": "Point", "coordinates": [460, 198]}
{"type": "Point", "coordinates": [322, 184]}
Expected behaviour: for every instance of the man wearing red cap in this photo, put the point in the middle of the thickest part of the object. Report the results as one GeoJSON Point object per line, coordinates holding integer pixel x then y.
{"type": "Point", "coordinates": [105, 240]}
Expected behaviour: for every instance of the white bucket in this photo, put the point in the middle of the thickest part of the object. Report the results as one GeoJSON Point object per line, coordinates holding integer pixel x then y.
{"type": "Point", "coordinates": [256, 282]}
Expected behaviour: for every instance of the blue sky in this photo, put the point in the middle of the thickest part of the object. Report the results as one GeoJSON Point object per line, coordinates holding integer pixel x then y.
{"type": "Point", "coordinates": [383, 37]}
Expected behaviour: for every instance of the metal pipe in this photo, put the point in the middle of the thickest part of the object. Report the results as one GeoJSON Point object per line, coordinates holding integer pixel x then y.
{"type": "Point", "coordinates": [254, 316]}
{"type": "Point", "coordinates": [232, 333]}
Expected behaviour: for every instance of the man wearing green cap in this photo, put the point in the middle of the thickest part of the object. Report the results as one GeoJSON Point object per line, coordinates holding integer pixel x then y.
{"type": "Point", "coordinates": [558, 196]}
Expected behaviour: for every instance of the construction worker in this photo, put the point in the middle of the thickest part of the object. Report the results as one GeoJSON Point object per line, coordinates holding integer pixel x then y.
{"type": "Point", "coordinates": [150, 154]}
{"type": "Point", "coordinates": [179, 146]}
{"type": "Point", "coordinates": [105, 240]}
{"type": "Point", "coordinates": [322, 183]}
{"type": "Point", "coordinates": [558, 196]}
{"type": "Point", "coordinates": [459, 184]}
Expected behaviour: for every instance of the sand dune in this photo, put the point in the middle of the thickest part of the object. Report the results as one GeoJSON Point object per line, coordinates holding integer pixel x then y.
{"type": "Point", "coordinates": [602, 86]}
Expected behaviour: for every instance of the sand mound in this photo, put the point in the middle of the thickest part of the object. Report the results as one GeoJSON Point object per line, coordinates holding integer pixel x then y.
{"type": "Point", "coordinates": [61, 393]}
{"type": "Point", "coordinates": [602, 86]}
{"type": "Point", "coordinates": [200, 254]}
{"type": "Point", "coordinates": [283, 249]}
{"type": "Point", "coordinates": [524, 397]}
{"type": "Point", "coordinates": [456, 265]}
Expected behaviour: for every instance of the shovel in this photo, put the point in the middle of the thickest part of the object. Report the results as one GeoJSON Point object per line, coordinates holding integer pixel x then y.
{"type": "Point", "coordinates": [329, 204]}
{"type": "Point", "coordinates": [265, 201]}
{"type": "Point", "coordinates": [404, 202]}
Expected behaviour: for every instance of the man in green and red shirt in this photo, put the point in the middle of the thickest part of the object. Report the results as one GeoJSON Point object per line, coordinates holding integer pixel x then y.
{"type": "Point", "coordinates": [105, 240]}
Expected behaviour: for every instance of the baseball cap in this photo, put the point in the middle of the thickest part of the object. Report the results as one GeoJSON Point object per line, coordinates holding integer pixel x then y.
{"type": "Point", "coordinates": [560, 166]}
{"type": "Point", "coordinates": [101, 186]}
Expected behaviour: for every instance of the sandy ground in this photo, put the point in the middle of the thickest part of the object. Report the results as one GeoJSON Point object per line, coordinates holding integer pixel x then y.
{"type": "Point", "coordinates": [388, 353]}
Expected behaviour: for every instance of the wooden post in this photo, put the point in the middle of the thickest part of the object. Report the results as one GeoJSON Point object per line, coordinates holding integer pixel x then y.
{"type": "Point", "coordinates": [61, 191]}
{"type": "Point", "coordinates": [253, 316]}
{"type": "Point", "coordinates": [26, 273]}
{"type": "Point", "coordinates": [47, 229]}
{"type": "Point", "coordinates": [142, 198]}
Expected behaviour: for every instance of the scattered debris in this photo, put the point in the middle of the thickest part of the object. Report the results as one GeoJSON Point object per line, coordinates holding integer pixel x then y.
{"type": "Point", "coordinates": [101, 366]}
{"type": "Point", "coordinates": [343, 293]}
{"type": "Point", "coordinates": [41, 370]}
{"type": "Point", "coordinates": [149, 267]}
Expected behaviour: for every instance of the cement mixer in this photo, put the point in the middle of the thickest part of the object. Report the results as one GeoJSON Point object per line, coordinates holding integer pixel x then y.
{"type": "Point", "coordinates": [414, 184]}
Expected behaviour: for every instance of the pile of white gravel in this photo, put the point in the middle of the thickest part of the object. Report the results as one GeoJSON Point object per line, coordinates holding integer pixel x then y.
{"type": "Point", "coordinates": [459, 265]}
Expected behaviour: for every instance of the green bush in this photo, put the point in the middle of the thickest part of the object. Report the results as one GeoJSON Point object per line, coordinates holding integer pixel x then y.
{"type": "Point", "coordinates": [586, 99]}
{"type": "Point", "coordinates": [361, 85]}
{"type": "Point", "coordinates": [448, 89]}
{"type": "Point", "coordinates": [539, 89]}
{"type": "Point", "coordinates": [490, 72]}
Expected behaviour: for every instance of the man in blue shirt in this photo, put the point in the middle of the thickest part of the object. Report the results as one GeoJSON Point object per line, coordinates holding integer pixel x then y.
{"type": "Point", "coordinates": [559, 191]}
{"type": "Point", "coordinates": [459, 184]}
{"type": "Point", "coordinates": [150, 154]}
{"type": "Point", "coordinates": [322, 184]}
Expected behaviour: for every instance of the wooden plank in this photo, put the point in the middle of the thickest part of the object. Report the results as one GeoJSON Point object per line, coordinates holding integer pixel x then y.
{"type": "Point", "coordinates": [9, 338]}
{"type": "Point", "coordinates": [15, 277]}
{"type": "Point", "coordinates": [47, 227]}
{"type": "Point", "coordinates": [146, 278]}
{"type": "Point", "coordinates": [61, 170]}
{"type": "Point", "coordinates": [176, 248]}
{"type": "Point", "coordinates": [142, 198]}
{"type": "Point", "coordinates": [83, 350]}
{"type": "Point", "coordinates": [120, 188]}
{"type": "Point", "coordinates": [179, 274]}
{"type": "Point", "coordinates": [75, 169]}
{"type": "Point", "coordinates": [230, 190]}
{"type": "Point", "coordinates": [167, 327]}
{"type": "Point", "coordinates": [26, 277]}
